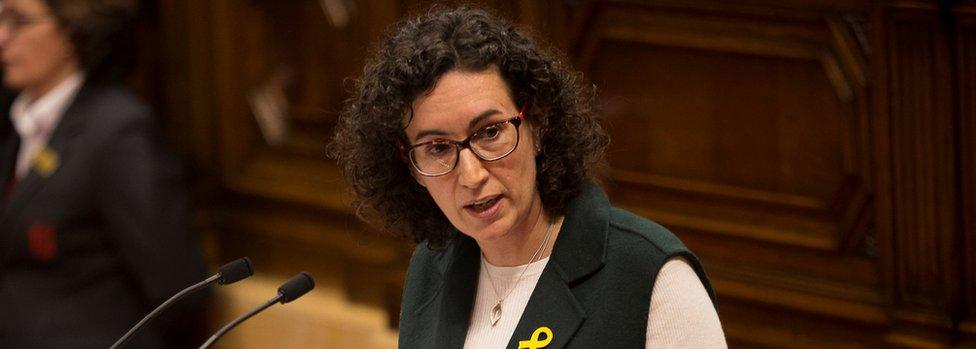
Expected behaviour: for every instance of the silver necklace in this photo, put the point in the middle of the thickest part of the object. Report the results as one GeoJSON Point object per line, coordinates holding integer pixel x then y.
{"type": "Point", "coordinates": [496, 311]}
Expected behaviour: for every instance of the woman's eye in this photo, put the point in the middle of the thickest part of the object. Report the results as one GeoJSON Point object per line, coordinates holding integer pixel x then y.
{"type": "Point", "coordinates": [489, 133]}
{"type": "Point", "coordinates": [438, 149]}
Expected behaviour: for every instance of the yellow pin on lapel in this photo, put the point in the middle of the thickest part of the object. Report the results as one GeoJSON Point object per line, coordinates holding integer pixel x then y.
{"type": "Point", "coordinates": [535, 342]}
{"type": "Point", "coordinates": [46, 162]}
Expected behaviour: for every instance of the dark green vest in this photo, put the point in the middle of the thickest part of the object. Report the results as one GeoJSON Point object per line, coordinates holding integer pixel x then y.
{"type": "Point", "coordinates": [594, 292]}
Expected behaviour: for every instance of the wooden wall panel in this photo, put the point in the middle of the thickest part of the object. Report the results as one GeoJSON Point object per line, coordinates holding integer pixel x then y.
{"type": "Point", "coordinates": [744, 130]}
{"type": "Point", "coordinates": [277, 200]}
{"type": "Point", "coordinates": [769, 122]}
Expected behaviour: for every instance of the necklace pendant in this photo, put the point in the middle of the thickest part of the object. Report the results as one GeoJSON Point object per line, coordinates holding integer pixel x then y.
{"type": "Point", "coordinates": [496, 313]}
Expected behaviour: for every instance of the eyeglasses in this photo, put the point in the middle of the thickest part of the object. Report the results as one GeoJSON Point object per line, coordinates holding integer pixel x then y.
{"type": "Point", "coordinates": [490, 143]}
{"type": "Point", "coordinates": [14, 21]}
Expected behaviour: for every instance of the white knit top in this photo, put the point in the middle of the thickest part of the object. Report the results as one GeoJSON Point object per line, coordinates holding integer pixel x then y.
{"type": "Point", "coordinates": [681, 314]}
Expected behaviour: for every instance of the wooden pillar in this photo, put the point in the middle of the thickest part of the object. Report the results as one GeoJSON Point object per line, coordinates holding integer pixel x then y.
{"type": "Point", "coordinates": [964, 13]}
{"type": "Point", "coordinates": [917, 185]}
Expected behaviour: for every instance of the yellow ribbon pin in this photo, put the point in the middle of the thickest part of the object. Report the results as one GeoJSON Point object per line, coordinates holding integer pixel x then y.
{"type": "Point", "coordinates": [45, 162]}
{"type": "Point", "coordinates": [534, 342]}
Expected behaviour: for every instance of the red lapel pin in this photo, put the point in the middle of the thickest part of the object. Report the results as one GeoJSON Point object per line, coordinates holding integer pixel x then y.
{"type": "Point", "coordinates": [42, 243]}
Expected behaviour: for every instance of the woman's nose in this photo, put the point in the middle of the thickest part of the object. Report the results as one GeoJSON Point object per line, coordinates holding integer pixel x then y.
{"type": "Point", "coordinates": [471, 171]}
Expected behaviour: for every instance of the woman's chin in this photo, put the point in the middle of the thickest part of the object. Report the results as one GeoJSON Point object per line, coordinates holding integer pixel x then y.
{"type": "Point", "coordinates": [12, 82]}
{"type": "Point", "coordinates": [489, 232]}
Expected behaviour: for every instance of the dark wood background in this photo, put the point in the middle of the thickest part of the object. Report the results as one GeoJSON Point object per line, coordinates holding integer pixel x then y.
{"type": "Point", "coordinates": [819, 156]}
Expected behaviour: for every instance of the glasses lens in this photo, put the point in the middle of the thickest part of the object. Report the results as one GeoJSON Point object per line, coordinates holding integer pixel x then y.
{"type": "Point", "coordinates": [13, 20]}
{"type": "Point", "coordinates": [490, 143]}
{"type": "Point", "coordinates": [434, 158]}
{"type": "Point", "coordinates": [496, 141]}
{"type": "Point", "coordinates": [7, 18]}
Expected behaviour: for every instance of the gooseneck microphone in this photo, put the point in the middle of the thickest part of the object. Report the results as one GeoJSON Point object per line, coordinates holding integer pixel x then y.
{"type": "Point", "coordinates": [295, 287]}
{"type": "Point", "coordinates": [227, 274]}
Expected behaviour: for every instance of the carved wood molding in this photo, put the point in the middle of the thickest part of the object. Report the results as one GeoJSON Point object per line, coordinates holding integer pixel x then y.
{"type": "Point", "coordinates": [768, 326]}
{"type": "Point", "coordinates": [292, 179]}
{"type": "Point", "coordinates": [343, 238]}
{"type": "Point", "coordinates": [808, 294]}
{"type": "Point", "coordinates": [718, 190]}
{"type": "Point", "coordinates": [346, 253]}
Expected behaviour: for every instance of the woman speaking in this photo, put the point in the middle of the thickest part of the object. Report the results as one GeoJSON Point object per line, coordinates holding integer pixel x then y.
{"type": "Point", "coordinates": [466, 137]}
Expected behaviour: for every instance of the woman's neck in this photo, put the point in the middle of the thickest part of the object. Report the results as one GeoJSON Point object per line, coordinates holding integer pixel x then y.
{"type": "Point", "coordinates": [519, 248]}
{"type": "Point", "coordinates": [34, 93]}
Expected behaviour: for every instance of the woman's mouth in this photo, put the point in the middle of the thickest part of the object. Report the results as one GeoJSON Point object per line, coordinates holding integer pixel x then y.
{"type": "Point", "coordinates": [484, 208]}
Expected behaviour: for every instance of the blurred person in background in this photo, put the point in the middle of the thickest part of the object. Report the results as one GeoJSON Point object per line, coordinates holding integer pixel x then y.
{"type": "Point", "coordinates": [466, 137]}
{"type": "Point", "coordinates": [93, 213]}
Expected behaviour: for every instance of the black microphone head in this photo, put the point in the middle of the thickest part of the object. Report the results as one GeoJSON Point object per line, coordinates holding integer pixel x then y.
{"type": "Point", "coordinates": [235, 271]}
{"type": "Point", "coordinates": [295, 287]}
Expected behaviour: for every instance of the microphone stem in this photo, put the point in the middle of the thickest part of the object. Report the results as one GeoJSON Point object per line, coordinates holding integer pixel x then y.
{"type": "Point", "coordinates": [161, 307]}
{"type": "Point", "coordinates": [213, 339]}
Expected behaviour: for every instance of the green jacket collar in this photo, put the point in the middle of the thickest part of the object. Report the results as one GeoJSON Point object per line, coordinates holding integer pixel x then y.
{"type": "Point", "coordinates": [579, 251]}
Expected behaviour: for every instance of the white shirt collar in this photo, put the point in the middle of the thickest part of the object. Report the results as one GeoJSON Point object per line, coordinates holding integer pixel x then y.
{"type": "Point", "coordinates": [44, 113]}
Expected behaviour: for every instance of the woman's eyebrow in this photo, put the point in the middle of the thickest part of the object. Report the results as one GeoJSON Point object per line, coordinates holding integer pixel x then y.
{"type": "Point", "coordinates": [471, 124]}
{"type": "Point", "coordinates": [484, 115]}
{"type": "Point", "coordinates": [430, 132]}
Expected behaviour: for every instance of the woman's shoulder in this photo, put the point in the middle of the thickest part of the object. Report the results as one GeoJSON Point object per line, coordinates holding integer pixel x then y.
{"type": "Point", "coordinates": [629, 228]}
{"type": "Point", "coordinates": [115, 105]}
{"type": "Point", "coordinates": [424, 258]}
{"type": "Point", "coordinates": [427, 266]}
{"type": "Point", "coordinates": [423, 280]}
{"type": "Point", "coordinates": [637, 241]}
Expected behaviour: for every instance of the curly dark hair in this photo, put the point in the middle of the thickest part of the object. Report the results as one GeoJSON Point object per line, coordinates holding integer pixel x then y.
{"type": "Point", "coordinates": [415, 56]}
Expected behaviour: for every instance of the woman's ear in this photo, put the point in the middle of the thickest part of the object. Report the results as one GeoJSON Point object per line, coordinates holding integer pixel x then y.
{"type": "Point", "coordinates": [535, 129]}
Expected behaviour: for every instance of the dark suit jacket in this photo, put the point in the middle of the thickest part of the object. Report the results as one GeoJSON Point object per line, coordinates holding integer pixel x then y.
{"type": "Point", "coordinates": [89, 248]}
{"type": "Point", "coordinates": [595, 292]}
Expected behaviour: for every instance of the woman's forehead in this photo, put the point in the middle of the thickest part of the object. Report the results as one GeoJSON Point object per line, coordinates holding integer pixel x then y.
{"type": "Point", "coordinates": [458, 97]}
